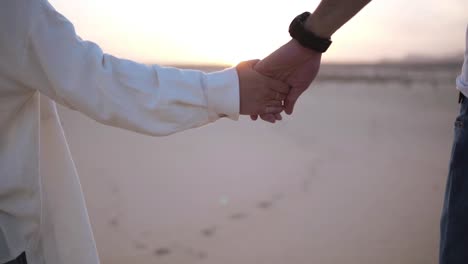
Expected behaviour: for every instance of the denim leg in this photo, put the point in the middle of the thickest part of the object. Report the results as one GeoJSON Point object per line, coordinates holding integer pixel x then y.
{"type": "Point", "coordinates": [454, 221]}
{"type": "Point", "coordinates": [20, 260]}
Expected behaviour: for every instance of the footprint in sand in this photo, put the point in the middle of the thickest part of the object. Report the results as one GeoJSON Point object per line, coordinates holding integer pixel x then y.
{"type": "Point", "coordinates": [114, 222]}
{"type": "Point", "coordinates": [202, 255]}
{"type": "Point", "coordinates": [265, 205]}
{"type": "Point", "coordinates": [209, 232]}
{"type": "Point", "coordinates": [161, 252]}
{"type": "Point", "coordinates": [238, 216]}
{"type": "Point", "coordinates": [196, 253]}
{"type": "Point", "coordinates": [278, 196]}
{"type": "Point", "coordinates": [139, 245]}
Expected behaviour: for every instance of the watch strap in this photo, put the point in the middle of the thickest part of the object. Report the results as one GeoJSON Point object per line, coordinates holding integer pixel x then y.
{"type": "Point", "coordinates": [305, 37]}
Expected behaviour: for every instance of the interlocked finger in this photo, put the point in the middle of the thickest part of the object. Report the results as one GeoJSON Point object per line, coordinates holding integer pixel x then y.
{"type": "Point", "coordinates": [277, 96]}
{"type": "Point", "coordinates": [274, 103]}
{"type": "Point", "coordinates": [273, 110]}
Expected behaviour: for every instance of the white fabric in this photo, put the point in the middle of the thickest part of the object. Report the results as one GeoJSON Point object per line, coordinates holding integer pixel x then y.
{"type": "Point", "coordinates": [42, 209]}
{"type": "Point", "coordinates": [462, 80]}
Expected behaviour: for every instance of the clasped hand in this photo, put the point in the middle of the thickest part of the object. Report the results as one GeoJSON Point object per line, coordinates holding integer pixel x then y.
{"type": "Point", "coordinates": [274, 84]}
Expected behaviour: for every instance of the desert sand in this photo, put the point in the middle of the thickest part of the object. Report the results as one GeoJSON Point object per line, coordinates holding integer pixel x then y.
{"type": "Point", "coordinates": [355, 176]}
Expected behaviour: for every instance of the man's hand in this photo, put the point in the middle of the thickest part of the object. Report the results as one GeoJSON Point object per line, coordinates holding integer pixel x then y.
{"type": "Point", "coordinates": [293, 64]}
{"type": "Point", "coordinates": [259, 94]}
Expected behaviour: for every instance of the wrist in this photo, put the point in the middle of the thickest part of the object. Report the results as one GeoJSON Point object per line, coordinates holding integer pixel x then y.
{"type": "Point", "coordinates": [296, 50]}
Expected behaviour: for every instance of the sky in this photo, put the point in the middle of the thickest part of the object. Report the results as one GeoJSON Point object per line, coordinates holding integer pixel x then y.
{"type": "Point", "coordinates": [228, 31]}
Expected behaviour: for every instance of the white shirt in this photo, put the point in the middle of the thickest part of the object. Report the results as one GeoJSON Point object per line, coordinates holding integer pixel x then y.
{"type": "Point", "coordinates": [462, 80]}
{"type": "Point", "coordinates": [42, 61]}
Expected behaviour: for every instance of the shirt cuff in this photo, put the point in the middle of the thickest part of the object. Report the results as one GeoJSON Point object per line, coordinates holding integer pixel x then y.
{"type": "Point", "coordinates": [222, 92]}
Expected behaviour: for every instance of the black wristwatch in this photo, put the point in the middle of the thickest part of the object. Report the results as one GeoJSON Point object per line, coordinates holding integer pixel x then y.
{"type": "Point", "coordinates": [307, 38]}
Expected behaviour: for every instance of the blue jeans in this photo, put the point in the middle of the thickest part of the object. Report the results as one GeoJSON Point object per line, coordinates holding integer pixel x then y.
{"type": "Point", "coordinates": [454, 221]}
{"type": "Point", "coordinates": [20, 260]}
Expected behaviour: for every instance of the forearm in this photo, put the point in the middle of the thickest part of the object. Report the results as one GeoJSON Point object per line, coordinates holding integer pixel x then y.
{"type": "Point", "coordinates": [330, 15]}
{"type": "Point", "coordinates": [152, 99]}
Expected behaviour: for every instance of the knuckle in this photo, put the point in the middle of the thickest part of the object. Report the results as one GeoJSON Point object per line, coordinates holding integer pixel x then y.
{"type": "Point", "coordinates": [283, 87]}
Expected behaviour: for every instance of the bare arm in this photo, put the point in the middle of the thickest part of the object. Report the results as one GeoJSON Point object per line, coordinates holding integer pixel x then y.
{"type": "Point", "coordinates": [330, 15]}
{"type": "Point", "coordinates": [298, 66]}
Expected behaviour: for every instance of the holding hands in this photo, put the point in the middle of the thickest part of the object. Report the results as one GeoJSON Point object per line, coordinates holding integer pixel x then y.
{"type": "Point", "coordinates": [293, 64]}
{"type": "Point", "coordinates": [296, 63]}
{"type": "Point", "coordinates": [259, 94]}
{"type": "Point", "coordinates": [274, 84]}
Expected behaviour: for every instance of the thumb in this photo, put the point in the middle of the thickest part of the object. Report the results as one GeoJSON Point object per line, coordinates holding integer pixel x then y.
{"type": "Point", "coordinates": [248, 64]}
{"type": "Point", "coordinates": [291, 99]}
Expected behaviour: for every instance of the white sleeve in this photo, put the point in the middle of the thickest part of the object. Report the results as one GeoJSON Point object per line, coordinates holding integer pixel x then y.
{"type": "Point", "coordinates": [152, 100]}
